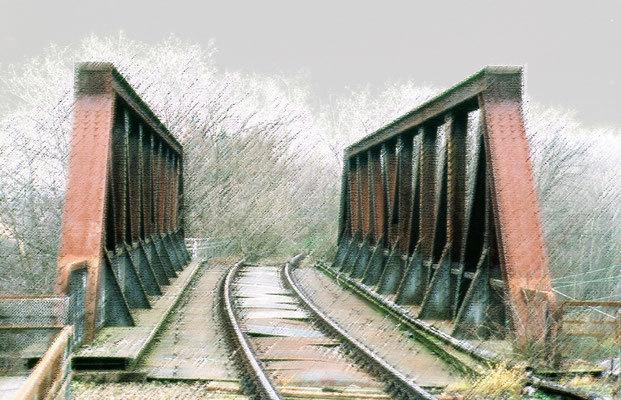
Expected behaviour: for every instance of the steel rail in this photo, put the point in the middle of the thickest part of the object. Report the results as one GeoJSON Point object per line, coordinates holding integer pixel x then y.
{"type": "Point", "coordinates": [266, 389]}
{"type": "Point", "coordinates": [406, 385]}
{"type": "Point", "coordinates": [478, 354]}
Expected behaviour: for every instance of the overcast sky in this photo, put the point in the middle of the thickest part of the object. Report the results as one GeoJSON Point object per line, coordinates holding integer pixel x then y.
{"type": "Point", "coordinates": [572, 50]}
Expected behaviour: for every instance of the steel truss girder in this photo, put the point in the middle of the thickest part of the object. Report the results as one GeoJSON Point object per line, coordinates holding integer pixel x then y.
{"type": "Point", "coordinates": [123, 212]}
{"type": "Point", "coordinates": [407, 227]}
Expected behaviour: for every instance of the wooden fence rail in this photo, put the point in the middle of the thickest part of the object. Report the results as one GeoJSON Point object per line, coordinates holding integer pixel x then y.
{"type": "Point", "coordinates": [49, 379]}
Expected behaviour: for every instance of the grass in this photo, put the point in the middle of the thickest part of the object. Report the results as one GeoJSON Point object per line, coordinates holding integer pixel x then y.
{"type": "Point", "coordinates": [500, 382]}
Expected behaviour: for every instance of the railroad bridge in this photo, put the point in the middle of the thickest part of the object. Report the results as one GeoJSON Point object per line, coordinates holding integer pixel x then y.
{"type": "Point", "coordinates": [438, 273]}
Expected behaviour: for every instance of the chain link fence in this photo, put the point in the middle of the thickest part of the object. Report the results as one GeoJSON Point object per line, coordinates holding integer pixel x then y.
{"type": "Point", "coordinates": [30, 324]}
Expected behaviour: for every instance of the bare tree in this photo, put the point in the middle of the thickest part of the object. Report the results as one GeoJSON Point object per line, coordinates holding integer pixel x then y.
{"type": "Point", "coordinates": [263, 165]}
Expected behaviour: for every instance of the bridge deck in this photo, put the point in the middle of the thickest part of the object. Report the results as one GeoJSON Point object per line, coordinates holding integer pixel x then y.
{"type": "Point", "coordinates": [189, 346]}
{"type": "Point", "coordinates": [376, 331]}
{"type": "Point", "coordinates": [295, 353]}
{"type": "Point", "coordinates": [127, 343]}
{"type": "Point", "coordinates": [501, 348]}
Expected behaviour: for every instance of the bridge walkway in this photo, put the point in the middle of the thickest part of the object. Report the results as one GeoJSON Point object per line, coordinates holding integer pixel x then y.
{"type": "Point", "coordinates": [375, 330]}
{"type": "Point", "coordinates": [189, 347]}
{"type": "Point", "coordinates": [120, 347]}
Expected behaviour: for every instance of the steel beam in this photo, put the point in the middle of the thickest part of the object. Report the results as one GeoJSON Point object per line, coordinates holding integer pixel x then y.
{"type": "Point", "coordinates": [436, 245]}
{"type": "Point", "coordinates": [122, 213]}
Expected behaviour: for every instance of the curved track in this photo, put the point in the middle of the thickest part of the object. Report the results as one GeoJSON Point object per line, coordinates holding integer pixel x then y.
{"type": "Point", "coordinates": [286, 355]}
{"type": "Point", "coordinates": [403, 387]}
{"type": "Point", "coordinates": [263, 386]}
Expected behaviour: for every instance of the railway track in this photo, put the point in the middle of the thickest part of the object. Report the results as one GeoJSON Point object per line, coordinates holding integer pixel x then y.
{"type": "Point", "coordinates": [289, 348]}
{"type": "Point", "coordinates": [458, 352]}
{"type": "Point", "coordinates": [295, 333]}
{"type": "Point", "coordinates": [292, 344]}
{"type": "Point", "coordinates": [188, 347]}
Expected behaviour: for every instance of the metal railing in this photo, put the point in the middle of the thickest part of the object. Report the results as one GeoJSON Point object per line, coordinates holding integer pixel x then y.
{"type": "Point", "coordinates": [210, 248]}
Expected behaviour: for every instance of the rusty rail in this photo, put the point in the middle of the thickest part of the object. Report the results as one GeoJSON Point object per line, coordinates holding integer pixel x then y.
{"type": "Point", "coordinates": [263, 386]}
{"type": "Point", "coordinates": [50, 376]}
{"type": "Point", "coordinates": [123, 213]}
{"type": "Point", "coordinates": [405, 387]}
{"type": "Point", "coordinates": [464, 247]}
{"type": "Point", "coordinates": [414, 325]}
